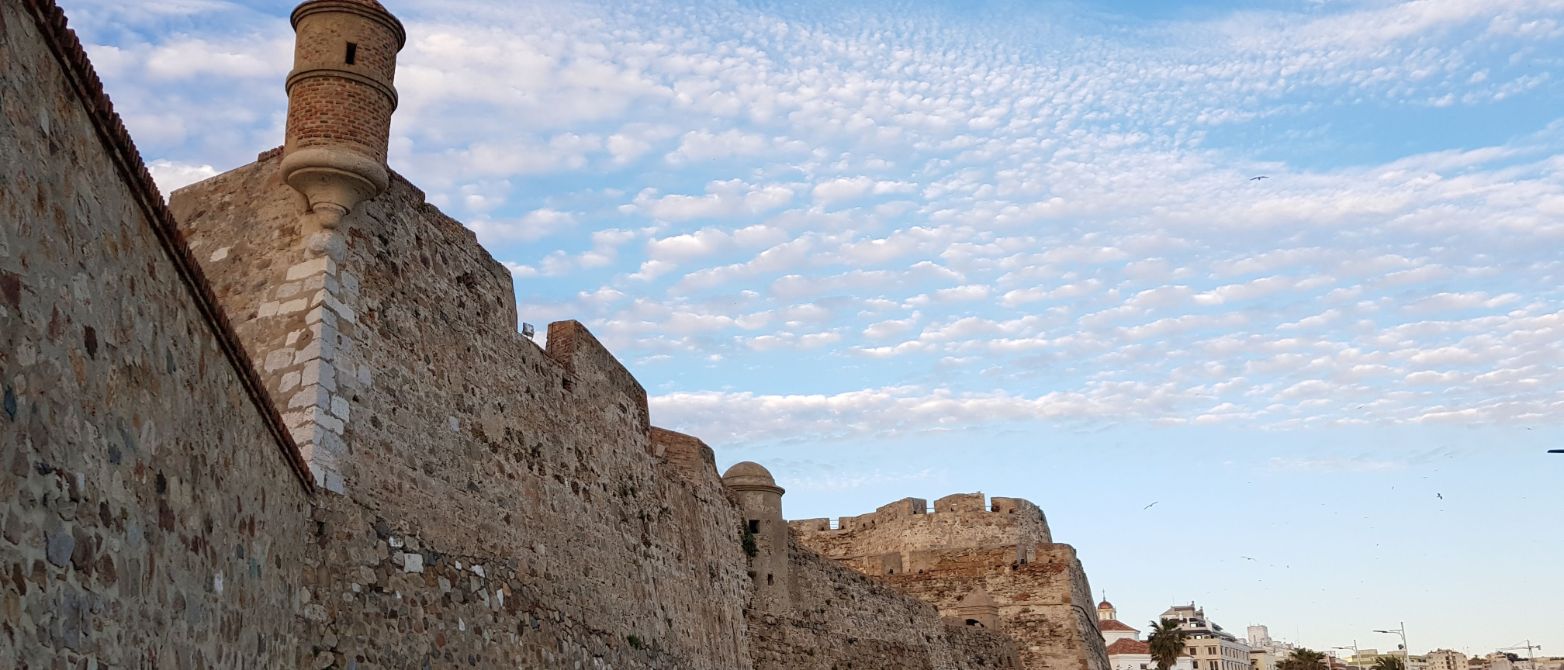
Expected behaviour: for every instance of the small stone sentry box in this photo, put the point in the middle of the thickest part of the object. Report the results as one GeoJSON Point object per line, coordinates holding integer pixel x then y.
{"type": "Point", "coordinates": [760, 500]}
{"type": "Point", "coordinates": [340, 100]}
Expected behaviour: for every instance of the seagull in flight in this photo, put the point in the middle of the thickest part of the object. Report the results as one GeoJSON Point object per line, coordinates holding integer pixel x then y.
{"type": "Point", "coordinates": [1441, 495]}
{"type": "Point", "coordinates": [1246, 558]}
{"type": "Point", "coordinates": [1150, 506]}
{"type": "Point", "coordinates": [1259, 177]}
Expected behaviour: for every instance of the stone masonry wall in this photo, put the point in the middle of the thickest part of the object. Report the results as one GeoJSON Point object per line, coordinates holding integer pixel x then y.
{"type": "Point", "coordinates": [1044, 604]}
{"type": "Point", "coordinates": [1003, 547]}
{"type": "Point", "coordinates": [294, 320]}
{"type": "Point", "coordinates": [152, 515]}
{"type": "Point", "coordinates": [904, 535]}
{"type": "Point", "coordinates": [843, 620]}
{"type": "Point", "coordinates": [464, 443]}
{"type": "Point", "coordinates": [510, 505]}
{"type": "Point", "coordinates": [687, 456]}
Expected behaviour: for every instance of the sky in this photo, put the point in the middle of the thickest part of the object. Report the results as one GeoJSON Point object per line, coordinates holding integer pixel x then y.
{"type": "Point", "coordinates": [898, 249]}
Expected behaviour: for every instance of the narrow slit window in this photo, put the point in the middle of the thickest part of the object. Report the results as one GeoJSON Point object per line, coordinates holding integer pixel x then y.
{"type": "Point", "coordinates": [754, 526]}
{"type": "Point", "coordinates": [352, 55]}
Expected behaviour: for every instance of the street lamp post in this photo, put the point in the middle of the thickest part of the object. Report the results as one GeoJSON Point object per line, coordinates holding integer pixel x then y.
{"type": "Point", "coordinates": [1406, 652]}
{"type": "Point", "coordinates": [1355, 653]}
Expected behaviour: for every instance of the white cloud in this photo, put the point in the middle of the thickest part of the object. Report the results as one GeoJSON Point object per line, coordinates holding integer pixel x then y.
{"type": "Point", "coordinates": [842, 189]}
{"type": "Point", "coordinates": [171, 176]}
{"type": "Point", "coordinates": [703, 145]}
{"type": "Point", "coordinates": [722, 198]}
{"type": "Point", "coordinates": [533, 225]}
{"type": "Point", "coordinates": [1060, 235]}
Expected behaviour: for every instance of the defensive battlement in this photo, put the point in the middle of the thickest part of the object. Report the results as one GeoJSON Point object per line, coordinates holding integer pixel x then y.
{"type": "Point", "coordinates": [585, 358]}
{"type": "Point", "coordinates": [688, 456]}
{"type": "Point", "coordinates": [984, 562]}
{"type": "Point", "coordinates": [1017, 511]}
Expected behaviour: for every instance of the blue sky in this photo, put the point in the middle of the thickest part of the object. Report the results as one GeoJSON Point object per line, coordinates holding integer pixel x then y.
{"type": "Point", "coordinates": [911, 248]}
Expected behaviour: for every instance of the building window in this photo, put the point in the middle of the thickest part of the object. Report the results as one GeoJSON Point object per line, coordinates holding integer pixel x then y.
{"type": "Point", "coordinates": [352, 55]}
{"type": "Point", "coordinates": [754, 525]}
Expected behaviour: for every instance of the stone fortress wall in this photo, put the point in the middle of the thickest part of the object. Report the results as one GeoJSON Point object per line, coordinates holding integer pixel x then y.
{"type": "Point", "coordinates": [902, 536]}
{"type": "Point", "coordinates": [265, 438]}
{"type": "Point", "coordinates": [510, 491]}
{"type": "Point", "coordinates": [961, 546]}
{"type": "Point", "coordinates": [154, 512]}
{"type": "Point", "coordinates": [888, 628]}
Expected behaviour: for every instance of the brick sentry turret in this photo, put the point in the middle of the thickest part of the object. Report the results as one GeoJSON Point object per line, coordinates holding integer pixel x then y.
{"type": "Point", "coordinates": [340, 99]}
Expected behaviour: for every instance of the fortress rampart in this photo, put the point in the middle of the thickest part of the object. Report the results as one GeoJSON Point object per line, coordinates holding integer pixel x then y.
{"type": "Point", "coordinates": [909, 526]}
{"type": "Point", "coordinates": [1002, 549]}
{"type": "Point", "coordinates": [247, 439]}
{"type": "Point", "coordinates": [470, 445]}
{"type": "Point", "coordinates": [153, 510]}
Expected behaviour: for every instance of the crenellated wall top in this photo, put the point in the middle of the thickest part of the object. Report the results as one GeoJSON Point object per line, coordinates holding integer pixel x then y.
{"type": "Point", "coordinates": [1016, 518]}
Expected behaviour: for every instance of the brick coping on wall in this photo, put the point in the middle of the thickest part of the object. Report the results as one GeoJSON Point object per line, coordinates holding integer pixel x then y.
{"type": "Point", "coordinates": [67, 49]}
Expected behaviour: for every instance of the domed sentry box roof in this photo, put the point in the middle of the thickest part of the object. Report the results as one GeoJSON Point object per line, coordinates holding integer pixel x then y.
{"type": "Point", "coordinates": [977, 608]}
{"type": "Point", "coordinates": [369, 8]}
{"type": "Point", "coordinates": [750, 476]}
{"type": "Point", "coordinates": [373, 4]}
{"type": "Point", "coordinates": [976, 598]}
{"type": "Point", "coordinates": [1105, 605]}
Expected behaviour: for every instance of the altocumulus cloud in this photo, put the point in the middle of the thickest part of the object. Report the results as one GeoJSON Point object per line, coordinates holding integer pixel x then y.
{"type": "Point", "coordinates": [949, 221]}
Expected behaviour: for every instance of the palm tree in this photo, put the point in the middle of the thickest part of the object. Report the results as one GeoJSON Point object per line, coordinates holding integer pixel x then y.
{"type": "Point", "coordinates": [1166, 643]}
{"type": "Point", "coordinates": [1303, 659]}
{"type": "Point", "coordinates": [1389, 663]}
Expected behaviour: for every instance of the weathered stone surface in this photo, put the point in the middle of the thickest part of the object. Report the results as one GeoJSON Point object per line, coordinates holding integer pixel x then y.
{"type": "Point", "coordinates": [140, 450]}
{"type": "Point", "coordinates": [476, 447]}
{"type": "Point", "coordinates": [60, 546]}
{"type": "Point", "coordinates": [842, 619]}
{"type": "Point", "coordinates": [1002, 549]}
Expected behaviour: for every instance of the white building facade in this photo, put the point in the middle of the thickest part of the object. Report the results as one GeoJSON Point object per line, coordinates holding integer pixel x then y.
{"type": "Point", "coordinates": [1211, 647]}
{"type": "Point", "coordinates": [1126, 651]}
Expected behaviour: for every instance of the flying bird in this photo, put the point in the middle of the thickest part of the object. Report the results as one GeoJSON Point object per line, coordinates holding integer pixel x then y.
{"type": "Point", "coordinates": [1441, 495]}
{"type": "Point", "coordinates": [1150, 506]}
{"type": "Point", "coordinates": [1246, 558]}
{"type": "Point", "coordinates": [1259, 178]}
